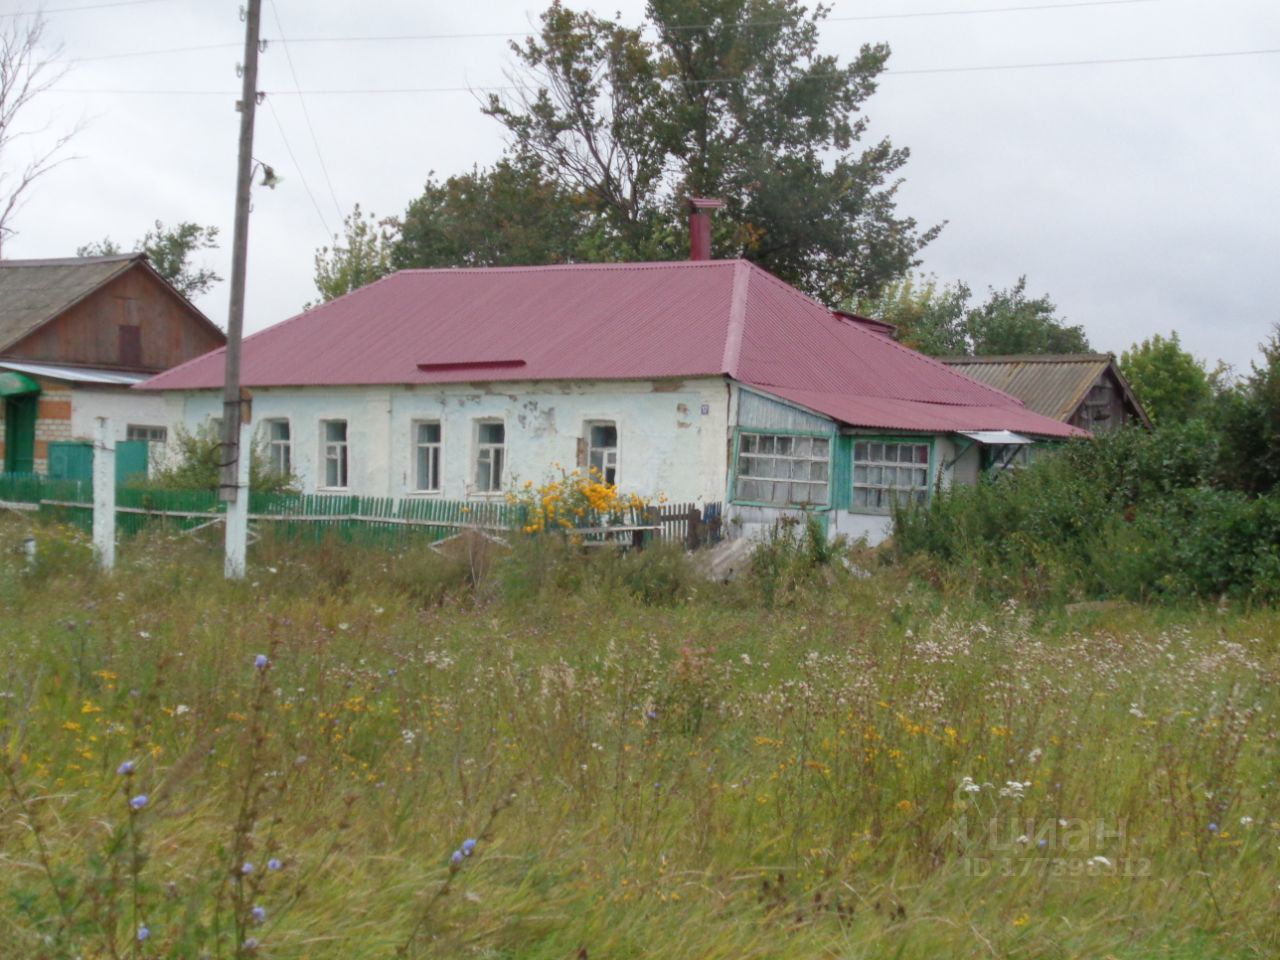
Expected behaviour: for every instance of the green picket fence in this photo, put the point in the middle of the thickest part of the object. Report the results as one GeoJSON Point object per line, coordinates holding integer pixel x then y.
{"type": "Point", "coordinates": [315, 517]}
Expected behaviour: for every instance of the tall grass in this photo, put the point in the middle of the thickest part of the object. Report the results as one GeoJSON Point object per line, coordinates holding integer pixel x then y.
{"type": "Point", "coordinates": [648, 765]}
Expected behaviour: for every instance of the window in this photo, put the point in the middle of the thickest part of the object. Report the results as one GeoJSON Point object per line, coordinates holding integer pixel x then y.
{"type": "Point", "coordinates": [333, 434]}
{"type": "Point", "coordinates": [491, 438]}
{"type": "Point", "coordinates": [602, 450]}
{"type": "Point", "coordinates": [426, 457]}
{"type": "Point", "coordinates": [279, 447]}
{"type": "Point", "coordinates": [885, 473]}
{"type": "Point", "coordinates": [139, 431]}
{"type": "Point", "coordinates": [130, 344]}
{"type": "Point", "coordinates": [783, 470]}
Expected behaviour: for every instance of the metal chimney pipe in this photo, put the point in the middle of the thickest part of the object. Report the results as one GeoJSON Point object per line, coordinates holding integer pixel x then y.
{"type": "Point", "coordinates": [700, 226]}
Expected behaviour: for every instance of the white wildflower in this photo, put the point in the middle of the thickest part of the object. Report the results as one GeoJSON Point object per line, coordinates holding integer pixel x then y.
{"type": "Point", "coordinates": [408, 736]}
{"type": "Point", "coordinates": [1246, 821]}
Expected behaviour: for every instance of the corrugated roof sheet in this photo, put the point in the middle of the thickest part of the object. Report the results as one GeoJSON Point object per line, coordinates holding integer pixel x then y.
{"type": "Point", "coordinates": [32, 292]}
{"type": "Point", "coordinates": [1052, 385]}
{"type": "Point", "coordinates": [603, 322]}
{"type": "Point", "coordinates": [74, 374]}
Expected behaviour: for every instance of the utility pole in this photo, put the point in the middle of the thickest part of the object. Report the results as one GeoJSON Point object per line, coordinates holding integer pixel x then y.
{"type": "Point", "coordinates": [228, 488]}
{"type": "Point", "coordinates": [234, 474]}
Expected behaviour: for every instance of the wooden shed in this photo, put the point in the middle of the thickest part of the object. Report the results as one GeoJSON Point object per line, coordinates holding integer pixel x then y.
{"type": "Point", "coordinates": [1086, 390]}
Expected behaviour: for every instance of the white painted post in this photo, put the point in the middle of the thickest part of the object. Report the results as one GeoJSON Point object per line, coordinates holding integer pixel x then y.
{"type": "Point", "coordinates": [237, 522]}
{"type": "Point", "coordinates": [104, 494]}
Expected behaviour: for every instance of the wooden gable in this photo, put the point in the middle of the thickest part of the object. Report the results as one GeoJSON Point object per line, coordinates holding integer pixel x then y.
{"type": "Point", "coordinates": [135, 322]}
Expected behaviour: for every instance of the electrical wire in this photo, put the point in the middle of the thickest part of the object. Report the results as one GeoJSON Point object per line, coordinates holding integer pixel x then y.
{"type": "Point", "coordinates": [37, 11]}
{"type": "Point", "coordinates": [302, 100]}
{"type": "Point", "coordinates": [328, 233]}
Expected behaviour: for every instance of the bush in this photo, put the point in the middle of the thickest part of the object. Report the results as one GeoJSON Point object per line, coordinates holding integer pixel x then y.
{"type": "Point", "coordinates": [194, 465]}
{"type": "Point", "coordinates": [1130, 514]}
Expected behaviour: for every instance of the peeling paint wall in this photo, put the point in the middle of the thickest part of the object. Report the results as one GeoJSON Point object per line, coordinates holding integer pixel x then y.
{"type": "Point", "coordinates": [671, 433]}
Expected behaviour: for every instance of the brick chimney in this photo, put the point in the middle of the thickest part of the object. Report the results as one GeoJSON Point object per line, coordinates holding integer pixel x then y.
{"type": "Point", "coordinates": [700, 227]}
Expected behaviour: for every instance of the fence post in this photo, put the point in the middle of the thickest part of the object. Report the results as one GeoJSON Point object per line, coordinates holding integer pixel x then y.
{"type": "Point", "coordinates": [104, 494]}
{"type": "Point", "coordinates": [237, 521]}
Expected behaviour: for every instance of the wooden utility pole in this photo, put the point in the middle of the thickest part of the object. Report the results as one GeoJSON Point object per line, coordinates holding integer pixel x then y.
{"type": "Point", "coordinates": [228, 487]}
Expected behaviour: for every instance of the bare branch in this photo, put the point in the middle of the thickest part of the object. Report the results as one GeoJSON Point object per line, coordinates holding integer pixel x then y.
{"type": "Point", "coordinates": [27, 70]}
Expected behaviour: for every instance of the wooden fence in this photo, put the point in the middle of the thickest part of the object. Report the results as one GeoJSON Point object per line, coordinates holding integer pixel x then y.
{"type": "Point", "coordinates": [316, 516]}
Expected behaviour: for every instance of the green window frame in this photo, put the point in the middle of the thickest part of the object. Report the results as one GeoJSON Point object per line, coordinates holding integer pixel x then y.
{"type": "Point", "coordinates": [889, 469]}
{"type": "Point", "coordinates": [761, 455]}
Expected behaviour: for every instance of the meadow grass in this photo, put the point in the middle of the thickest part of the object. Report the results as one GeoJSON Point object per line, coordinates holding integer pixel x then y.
{"type": "Point", "coordinates": [861, 767]}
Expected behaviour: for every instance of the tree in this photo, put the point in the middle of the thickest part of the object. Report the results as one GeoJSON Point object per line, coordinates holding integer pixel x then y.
{"type": "Point", "coordinates": [929, 316]}
{"type": "Point", "coordinates": [509, 214]}
{"type": "Point", "coordinates": [1247, 415]}
{"type": "Point", "coordinates": [938, 320]}
{"type": "Point", "coordinates": [26, 71]}
{"type": "Point", "coordinates": [1172, 384]}
{"type": "Point", "coordinates": [726, 99]}
{"type": "Point", "coordinates": [170, 251]}
{"type": "Point", "coordinates": [361, 256]}
{"type": "Point", "coordinates": [1012, 323]}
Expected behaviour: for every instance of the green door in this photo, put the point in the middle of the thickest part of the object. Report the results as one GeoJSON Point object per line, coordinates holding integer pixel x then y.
{"type": "Point", "coordinates": [20, 434]}
{"type": "Point", "coordinates": [73, 460]}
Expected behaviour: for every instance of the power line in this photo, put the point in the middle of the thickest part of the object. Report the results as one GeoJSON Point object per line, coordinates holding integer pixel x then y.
{"type": "Point", "coordinates": [328, 234]}
{"type": "Point", "coordinates": [302, 101]}
{"type": "Point", "coordinates": [738, 79]}
{"type": "Point", "coordinates": [152, 53]}
{"type": "Point", "coordinates": [506, 34]}
{"type": "Point", "coordinates": [88, 6]}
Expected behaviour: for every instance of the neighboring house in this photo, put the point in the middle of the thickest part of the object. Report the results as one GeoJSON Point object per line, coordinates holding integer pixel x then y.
{"type": "Point", "coordinates": [75, 335]}
{"type": "Point", "coordinates": [1085, 390]}
{"type": "Point", "coordinates": [704, 380]}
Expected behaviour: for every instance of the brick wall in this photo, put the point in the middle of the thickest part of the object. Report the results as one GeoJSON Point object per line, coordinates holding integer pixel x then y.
{"type": "Point", "coordinates": [53, 420]}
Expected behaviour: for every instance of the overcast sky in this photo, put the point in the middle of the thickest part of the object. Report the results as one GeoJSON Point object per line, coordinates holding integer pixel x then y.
{"type": "Point", "coordinates": [1143, 197]}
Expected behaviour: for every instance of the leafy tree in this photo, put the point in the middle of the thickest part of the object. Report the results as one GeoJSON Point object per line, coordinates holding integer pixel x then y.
{"type": "Point", "coordinates": [1247, 415]}
{"type": "Point", "coordinates": [170, 251]}
{"type": "Point", "coordinates": [1010, 322]}
{"type": "Point", "coordinates": [509, 214]}
{"type": "Point", "coordinates": [1172, 384]}
{"type": "Point", "coordinates": [361, 256]}
{"type": "Point", "coordinates": [929, 316]}
{"type": "Point", "coordinates": [939, 320]}
{"type": "Point", "coordinates": [726, 99]}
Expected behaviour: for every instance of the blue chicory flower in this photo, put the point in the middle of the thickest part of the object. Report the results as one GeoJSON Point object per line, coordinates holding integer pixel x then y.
{"type": "Point", "coordinates": [138, 802]}
{"type": "Point", "coordinates": [467, 846]}
{"type": "Point", "coordinates": [251, 944]}
{"type": "Point", "coordinates": [143, 932]}
{"type": "Point", "coordinates": [261, 662]}
{"type": "Point", "coordinates": [125, 768]}
{"type": "Point", "coordinates": [246, 868]}
{"type": "Point", "coordinates": [274, 864]}
{"type": "Point", "coordinates": [258, 913]}
{"type": "Point", "coordinates": [457, 857]}
{"type": "Point", "coordinates": [1213, 828]}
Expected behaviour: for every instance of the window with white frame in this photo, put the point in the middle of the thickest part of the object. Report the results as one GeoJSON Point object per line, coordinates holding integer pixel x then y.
{"type": "Point", "coordinates": [491, 441]}
{"type": "Point", "coordinates": [783, 470]}
{"type": "Point", "coordinates": [333, 439]}
{"type": "Point", "coordinates": [140, 431]}
{"type": "Point", "coordinates": [279, 446]}
{"type": "Point", "coordinates": [888, 472]}
{"type": "Point", "coordinates": [426, 456]}
{"type": "Point", "coordinates": [602, 450]}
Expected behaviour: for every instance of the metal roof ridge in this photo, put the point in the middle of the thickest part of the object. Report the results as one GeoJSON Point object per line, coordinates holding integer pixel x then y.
{"type": "Point", "coordinates": [736, 327]}
{"type": "Point", "coordinates": [1032, 358]}
{"type": "Point", "coordinates": [594, 266]}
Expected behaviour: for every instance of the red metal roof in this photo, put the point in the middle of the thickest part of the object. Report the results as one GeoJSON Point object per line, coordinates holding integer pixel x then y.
{"type": "Point", "coordinates": [614, 322]}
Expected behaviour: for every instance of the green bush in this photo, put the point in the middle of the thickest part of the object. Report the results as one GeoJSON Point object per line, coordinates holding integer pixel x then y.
{"type": "Point", "coordinates": [1131, 514]}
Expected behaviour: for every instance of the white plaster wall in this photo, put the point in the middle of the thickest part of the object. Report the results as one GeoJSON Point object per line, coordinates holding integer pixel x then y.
{"type": "Point", "coordinates": [122, 406]}
{"type": "Point", "coordinates": [672, 435]}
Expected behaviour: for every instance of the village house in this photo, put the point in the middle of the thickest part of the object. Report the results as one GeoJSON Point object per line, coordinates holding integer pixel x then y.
{"type": "Point", "coordinates": [75, 335]}
{"type": "Point", "coordinates": [1086, 390]}
{"type": "Point", "coordinates": [705, 380]}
